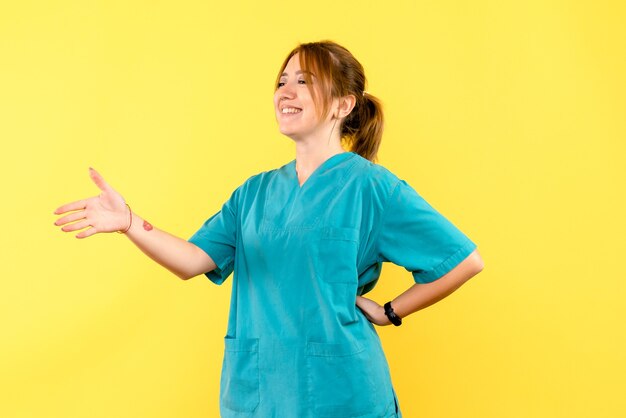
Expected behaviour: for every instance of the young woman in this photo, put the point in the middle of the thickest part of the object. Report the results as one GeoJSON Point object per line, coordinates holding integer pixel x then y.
{"type": "Point", "coordinates": [305, 242]}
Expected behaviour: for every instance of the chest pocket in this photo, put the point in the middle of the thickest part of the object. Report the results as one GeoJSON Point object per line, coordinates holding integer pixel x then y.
{"type": "Point", "coordinates": [338, 250]}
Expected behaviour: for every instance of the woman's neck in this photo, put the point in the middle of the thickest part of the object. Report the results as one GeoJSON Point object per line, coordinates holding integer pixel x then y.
{"type": "Point", "coordinates": [309, 156]}
{"type": "Point", "coordinates": [312, 150]}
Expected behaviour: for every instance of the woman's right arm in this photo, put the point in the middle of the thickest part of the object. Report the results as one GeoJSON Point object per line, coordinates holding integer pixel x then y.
{"type": "Point", "coordinates": [108, 212]}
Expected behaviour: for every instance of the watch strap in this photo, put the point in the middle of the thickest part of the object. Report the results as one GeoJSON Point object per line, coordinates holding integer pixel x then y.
{"type": "Point", "coordinates": [395, 319]}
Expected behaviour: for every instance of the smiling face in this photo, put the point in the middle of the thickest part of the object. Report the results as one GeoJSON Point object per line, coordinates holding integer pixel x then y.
{"type": "Point", "coordinates": [296, 111]}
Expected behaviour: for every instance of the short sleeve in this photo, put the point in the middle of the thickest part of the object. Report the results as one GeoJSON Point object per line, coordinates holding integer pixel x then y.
{"type": "Point", "coordinates": [417, 237]}
{"type": "Point", "coordinates": [217, 237]}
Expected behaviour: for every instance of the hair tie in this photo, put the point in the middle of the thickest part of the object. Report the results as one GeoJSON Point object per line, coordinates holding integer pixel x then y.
{"type": "Point", "coordinates": [365, 92]}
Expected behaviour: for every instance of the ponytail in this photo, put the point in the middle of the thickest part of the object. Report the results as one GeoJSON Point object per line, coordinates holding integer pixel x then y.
{"type": "Point", "coordinates": [363, 127]}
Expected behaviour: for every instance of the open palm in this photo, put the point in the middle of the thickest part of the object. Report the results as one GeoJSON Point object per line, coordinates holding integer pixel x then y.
{"type": "Point", "coordinates": [106, 212]}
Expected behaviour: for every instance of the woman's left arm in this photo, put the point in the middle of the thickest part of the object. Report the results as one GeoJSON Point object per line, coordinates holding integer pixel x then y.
{"type": "Point", "coordinates": [420, 296]}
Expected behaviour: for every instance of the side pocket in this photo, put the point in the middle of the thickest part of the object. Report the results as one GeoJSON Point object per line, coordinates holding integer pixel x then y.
{"type": "Point", "coordinates": [344, 381]}
{"type": "Point", "coordinates": [239, 386]}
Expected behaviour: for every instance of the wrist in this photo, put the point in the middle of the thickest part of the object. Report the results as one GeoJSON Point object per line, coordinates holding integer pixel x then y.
{"type": "Point", "coordinates": [393, 317]}
{"type": "Point", "coordinates": [384, 319]}
{"type": "Point", "coordinates": [129, 220]}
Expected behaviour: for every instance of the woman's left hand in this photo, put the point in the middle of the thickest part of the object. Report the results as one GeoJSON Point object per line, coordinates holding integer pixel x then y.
{"type": "Point", "coordinates": [373, 311]}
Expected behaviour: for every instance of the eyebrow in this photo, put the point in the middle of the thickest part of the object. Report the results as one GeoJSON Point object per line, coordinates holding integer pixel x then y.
{"type": "Point", "coordinates": [298, 72]}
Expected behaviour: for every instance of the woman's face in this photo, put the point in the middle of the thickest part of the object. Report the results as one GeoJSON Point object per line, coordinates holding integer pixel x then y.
{"type": "Point", "coordinates": [296, 113]}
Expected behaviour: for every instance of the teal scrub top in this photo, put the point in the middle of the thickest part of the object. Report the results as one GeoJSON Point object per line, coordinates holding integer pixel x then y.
{"type": "Point", "coordinates": [297, 346]}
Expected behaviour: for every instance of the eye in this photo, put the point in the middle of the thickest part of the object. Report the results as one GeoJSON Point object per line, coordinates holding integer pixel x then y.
{"type": "Point", "coordinates": [301, 81]}
{"type": "Point", "coordinates": [282, 83]}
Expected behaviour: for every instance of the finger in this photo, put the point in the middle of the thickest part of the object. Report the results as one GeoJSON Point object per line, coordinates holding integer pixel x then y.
{"type": "Point", "coordinates": [72, 217]}
{"type": "Point", "coordinates": [369, 318]}
{"type": "Point", "coordinates": [79, 204]}
{"type": "Point", "coordinates": [86, 233]}
{"type": "Point", "coordinates": [99, 180]}
{"type": "Point", "coordinates": [364, 303]}
{"type": "Point", "coordinates": [75, 227]}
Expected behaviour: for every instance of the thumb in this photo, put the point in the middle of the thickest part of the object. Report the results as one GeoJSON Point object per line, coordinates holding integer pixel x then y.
{"type": "Point", "coordinates": [97, 178]}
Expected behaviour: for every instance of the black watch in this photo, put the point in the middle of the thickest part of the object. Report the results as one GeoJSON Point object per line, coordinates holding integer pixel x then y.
{"type": "Point", "coordinates": [395, 319]}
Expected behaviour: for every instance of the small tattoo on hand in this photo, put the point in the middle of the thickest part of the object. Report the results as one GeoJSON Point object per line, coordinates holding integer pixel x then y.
{"type": "Point", "coordinates": [147, 226]}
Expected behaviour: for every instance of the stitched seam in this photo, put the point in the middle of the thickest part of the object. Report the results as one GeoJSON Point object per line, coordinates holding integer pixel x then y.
{"type": "Point", "coordinates": [382, 220]}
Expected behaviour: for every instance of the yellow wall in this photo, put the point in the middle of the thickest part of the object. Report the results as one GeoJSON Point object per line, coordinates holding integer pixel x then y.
{"type": "Point", "coordinates": [508, 117]}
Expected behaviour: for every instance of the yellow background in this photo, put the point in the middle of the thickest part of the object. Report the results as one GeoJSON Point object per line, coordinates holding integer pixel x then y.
{"type": "Point", "coordinates": [508, 117]}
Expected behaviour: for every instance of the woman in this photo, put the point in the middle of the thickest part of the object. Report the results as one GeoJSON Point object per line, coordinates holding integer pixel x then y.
{"type": "Point", "coordinates": [305, 242]}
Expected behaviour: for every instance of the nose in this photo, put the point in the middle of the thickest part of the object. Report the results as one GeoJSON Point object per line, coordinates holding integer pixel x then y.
{"type": "Point", "coordinates": [286, 92]}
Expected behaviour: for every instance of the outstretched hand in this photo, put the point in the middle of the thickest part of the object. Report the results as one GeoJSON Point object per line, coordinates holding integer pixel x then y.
{"type": "Point", "coordinates": [106, 212]}
{"type": "Point", "coordinates": [372, 311]}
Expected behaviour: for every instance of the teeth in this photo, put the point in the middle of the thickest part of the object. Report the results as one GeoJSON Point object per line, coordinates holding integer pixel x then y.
{"type": "Point", "coordinates": [291, 110]}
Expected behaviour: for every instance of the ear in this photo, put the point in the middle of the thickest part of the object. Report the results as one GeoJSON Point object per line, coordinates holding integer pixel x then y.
{"type": "Point", "coordinates": [345, 106]}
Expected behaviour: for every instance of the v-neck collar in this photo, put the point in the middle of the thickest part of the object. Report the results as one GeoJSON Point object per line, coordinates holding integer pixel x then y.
{"type": "Point", "coordinates": [330, 162]}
